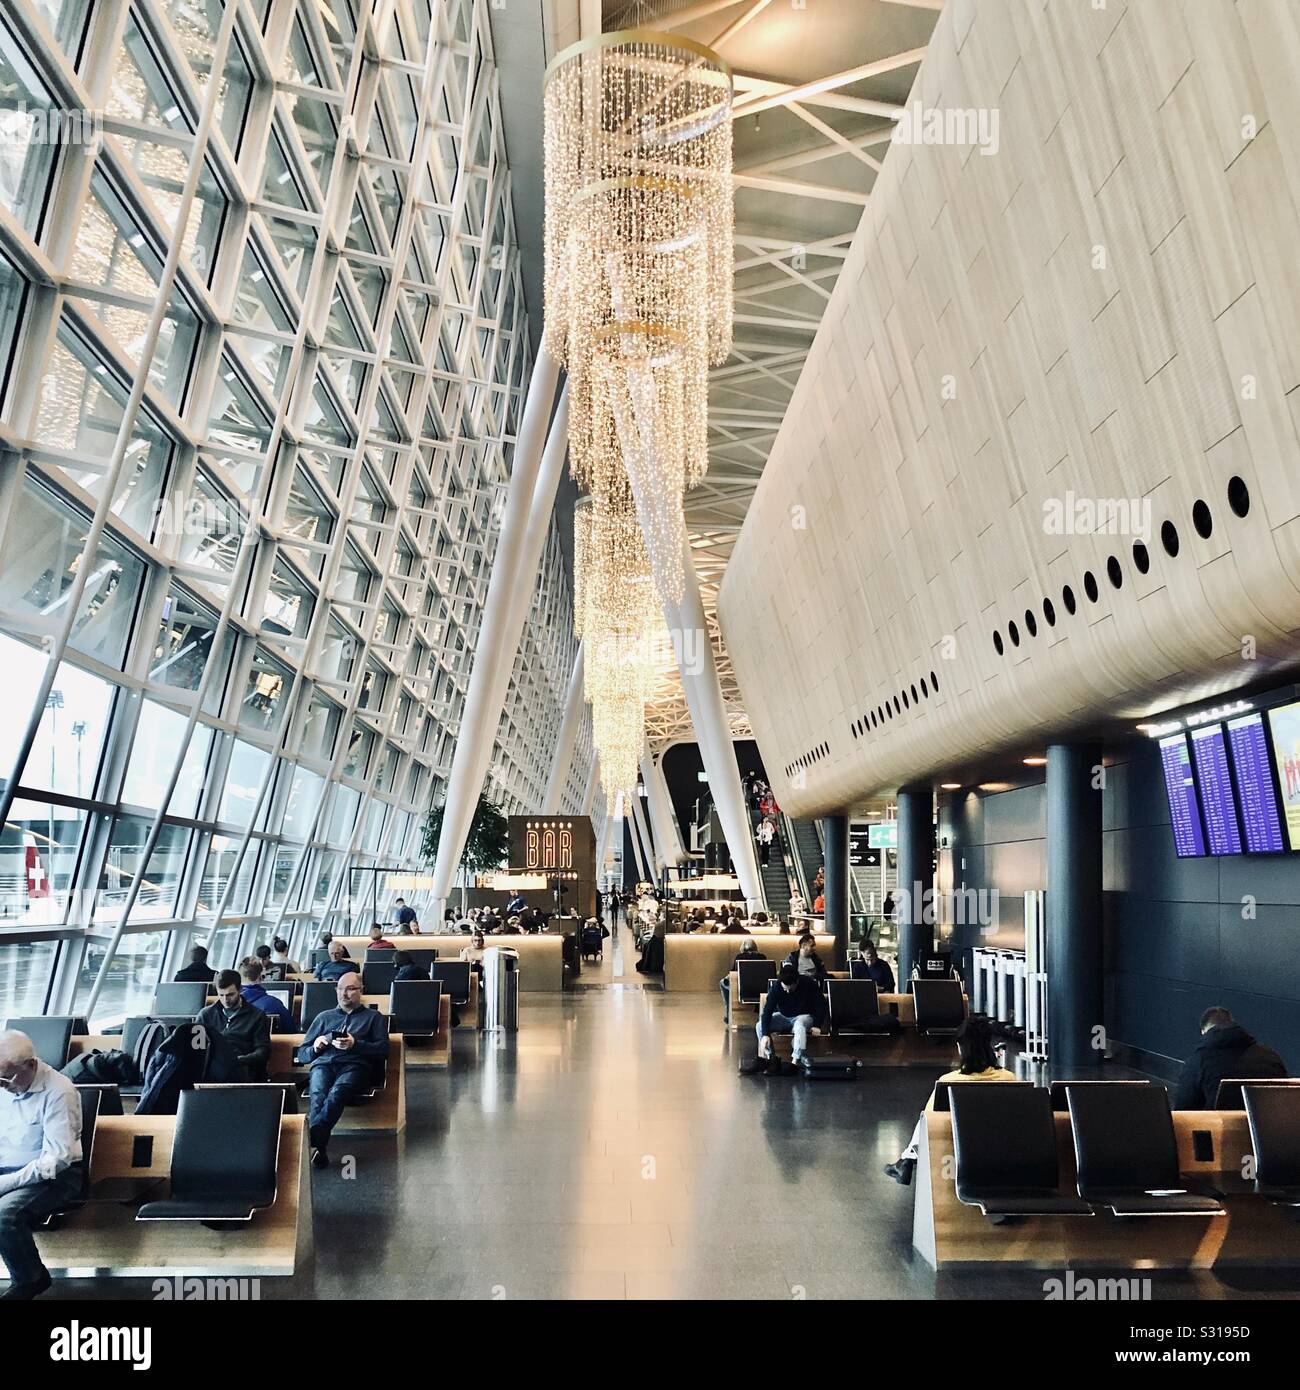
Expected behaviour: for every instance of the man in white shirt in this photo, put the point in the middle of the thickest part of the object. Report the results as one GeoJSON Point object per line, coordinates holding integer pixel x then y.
{"type": "Point", "coordinates": [40, 1142]}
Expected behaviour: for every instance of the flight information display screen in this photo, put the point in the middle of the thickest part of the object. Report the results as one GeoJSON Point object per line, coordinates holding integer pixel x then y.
{"type": "Point", "coordinates": [1180, 785]}
{"type": "Point", "coordinates": [1284, 725]}
{"type": "Point", "coordinates": [1210, 750]}
{"type": "Point", "coordinates": [1256, 796]}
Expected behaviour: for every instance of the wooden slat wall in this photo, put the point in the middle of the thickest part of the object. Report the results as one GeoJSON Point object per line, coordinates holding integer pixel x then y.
{"type": "Point", "coordinates": [1162, 374]}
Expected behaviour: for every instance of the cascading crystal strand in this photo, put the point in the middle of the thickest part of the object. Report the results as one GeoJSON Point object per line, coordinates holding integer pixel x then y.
{"type": "Point", "coordinates": [639, 260]}
{"type": "Point", "coordinates": [618, 616]}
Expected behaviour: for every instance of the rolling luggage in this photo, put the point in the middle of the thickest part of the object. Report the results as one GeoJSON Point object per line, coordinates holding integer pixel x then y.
{"type": "Point", "coordinates": [829, 1067]}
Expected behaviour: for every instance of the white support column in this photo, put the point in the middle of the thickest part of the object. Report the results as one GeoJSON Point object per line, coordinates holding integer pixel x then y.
{"type": "Point", "coordinates": [589, 793]}
{"type": "Point", "coordinates": [638, 848]}
{"type": "Point", "coordinates": [498, 637]}
{"type": "Point", "coordinates": [662, 820]}
{"type": "Point", "coordinates": [690, 633]}
{"type": "Point", "coordinates": [563, 759]}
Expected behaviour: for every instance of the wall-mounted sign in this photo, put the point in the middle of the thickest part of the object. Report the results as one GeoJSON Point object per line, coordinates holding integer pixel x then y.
{"type": "Point", "coordinates": [862, 854]}
{"type": "Point", "coordinates": [884, 835]}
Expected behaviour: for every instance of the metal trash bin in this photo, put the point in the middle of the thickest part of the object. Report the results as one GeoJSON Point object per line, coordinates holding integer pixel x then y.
{"type": "Point", "coordinates": [500, 990]}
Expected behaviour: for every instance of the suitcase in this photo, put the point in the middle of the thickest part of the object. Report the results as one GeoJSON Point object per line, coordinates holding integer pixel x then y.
{"type": "Point", "coordinates": [829, 1067]}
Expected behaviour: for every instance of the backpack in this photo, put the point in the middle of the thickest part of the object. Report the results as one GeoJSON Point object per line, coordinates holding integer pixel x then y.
{"type": "Point", "coordinates": [151, 1038]}
{"type": "Point", "coordinates": [177, 1063]}
{"type": "Point", "coordinates": [112, 1068]}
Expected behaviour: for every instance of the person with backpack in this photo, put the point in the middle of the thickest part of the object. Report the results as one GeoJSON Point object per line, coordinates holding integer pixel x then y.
{"type": "Point", "coordinates": [238, 1034]}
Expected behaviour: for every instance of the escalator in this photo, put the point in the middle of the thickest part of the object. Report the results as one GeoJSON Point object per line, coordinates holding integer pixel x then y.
{"type": "Point", "coordinates": [804, 840]}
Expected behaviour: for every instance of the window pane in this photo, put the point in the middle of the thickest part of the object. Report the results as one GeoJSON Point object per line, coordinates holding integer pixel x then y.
{"type": "Point", "coordinates": [154, 750]}
{"type": "Point", "coordinates": [38, 857]}
{"type": "Point", "coordinates": [221, 859]}
{"type": "Point", "coordinates": [185, 633]}
{"type": "Point", "coordinates": [133, 972]}
{"type": "Point", "coordinates": [26, 972]}
{"type": "Point", "coordinates": [28, 152]}
{"type": "Point", "coordinates": [243, 781]}
{"type": "Point", "coordinates": [65, 754]}
{"type": "Point", "coordinates": [161, 883]}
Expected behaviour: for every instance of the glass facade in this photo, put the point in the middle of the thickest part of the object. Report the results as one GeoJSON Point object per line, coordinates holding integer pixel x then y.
{"type": "Point", "coordinates": [263, 354]}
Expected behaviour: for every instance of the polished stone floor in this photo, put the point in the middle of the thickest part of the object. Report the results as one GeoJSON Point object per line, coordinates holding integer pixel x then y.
{"type": "Point", "coordinates": [609, 1150]}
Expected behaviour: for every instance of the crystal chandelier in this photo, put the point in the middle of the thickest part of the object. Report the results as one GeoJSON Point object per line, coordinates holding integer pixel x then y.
{"type": "Point", "coordinates": [617, 614]}
{"type": "Point", "coordinates": [639, 258]}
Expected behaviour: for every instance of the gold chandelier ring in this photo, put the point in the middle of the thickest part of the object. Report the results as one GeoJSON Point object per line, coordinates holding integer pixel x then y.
{"type": "Point", "coordinates": [653, 38]}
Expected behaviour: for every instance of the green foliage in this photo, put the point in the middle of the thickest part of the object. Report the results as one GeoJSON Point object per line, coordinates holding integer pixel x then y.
{"type": "Point", "coordinates": [486, 847]}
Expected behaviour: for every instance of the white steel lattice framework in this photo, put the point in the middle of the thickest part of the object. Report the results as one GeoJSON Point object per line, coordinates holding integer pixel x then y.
{"type": "Point", "coordinates": [263, 349]}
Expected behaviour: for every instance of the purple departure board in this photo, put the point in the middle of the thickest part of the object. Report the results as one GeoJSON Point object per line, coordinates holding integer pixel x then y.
{"type": "Point", "coordinates": [1184, 813]}
{"type": "Point", "coordinates": [1210, 751]}
{"type": "Point", "coordinates": [1256, 795]}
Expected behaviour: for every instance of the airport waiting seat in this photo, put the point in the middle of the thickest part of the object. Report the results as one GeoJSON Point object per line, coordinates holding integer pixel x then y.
{"type": "Point", "coordinates": [224, 1155]}
{"type": "Point", "coordinates": [754, 976]}
{"type": "Point", "coordinates": [51, 1036]}
{"type": "Point", "coordinates": [1126, 1154]}
{"type": "Point", "coordinates": [108, 1096]}
{"type": "Point", "coordinates": [286, 1088]}
{"type": "Point", "coordinates": [1273, 1114]}
{"type": "Point", "coordinates": [940, 1007]}
{"type": "Point", "coordinates": [854, 1009]}
{"type": "Point", "coordinates": [284, 993]}
{"type": "Point", "coordinates": [1229, 1094]}
{"type": "Point", "coordinates": [180, 997]}
{"type": "Point", "coordinates": [413, 1007]}
{"type": "Point", "coordinates": [454, 976]}
{"type": "Point", "coordinates": [377, 976]}
{"type": "Point", "coordinates": [425, 956]}
{"type": "Point", "coordinates": [1004, 1141]}
{"type": "Point", "coordinates": [92, 1101]}
{"type": "Point", "coordinates": [317, 996]}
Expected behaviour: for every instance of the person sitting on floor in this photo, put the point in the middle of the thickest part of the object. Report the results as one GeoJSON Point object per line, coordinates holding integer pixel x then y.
{"type": "Point", "coordinates": [254, 993]}
{"type": "Point", "coordinates": [338, 964]}
{"type": "Point", "coordinates": [979, 1062]}
{"type": "Point", "coordinates": [40, 1148]}
{"type": "Point", "coordinates": [198, 971]}
{"type": "Point", "coordinates": [342, 1046]}
{"type": "Point", "coordinates": [239, 1034]}
{"type": "Point", "coordinates": [378, 942]}
{"type": "Point", "coordinates": [1226, 1050]}
{"type": "Point", "coordinates": [794, 1005]}
{"type": "Point", "coordinates": [805, 959]}
{"type": "Point", "coordinates": [877, 969]}
{"type": "Point", "coordinates": [408, 968]}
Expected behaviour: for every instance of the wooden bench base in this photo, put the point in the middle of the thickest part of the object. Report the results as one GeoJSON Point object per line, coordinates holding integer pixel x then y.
{"type": "Point", "coordinates": [104, 1239]}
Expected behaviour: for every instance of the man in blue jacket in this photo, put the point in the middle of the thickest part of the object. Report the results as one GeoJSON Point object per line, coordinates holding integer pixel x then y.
{"type": "Point", "coordinates": [342, 1046]}
{"type": "Point", "coordinates": [794, 1004]}
{"type": "Point", "coordinates": [338, 964]}
{"type": "Point", "coordinates": [255, 994]}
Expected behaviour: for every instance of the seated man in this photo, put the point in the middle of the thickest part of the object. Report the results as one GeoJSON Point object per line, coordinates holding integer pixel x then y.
{"type": "Point", "coordinates": [239, 1034]}
{"type": "Point", "coordinates": [750, 948]}
{"type": "Point", "coordinates": [1226, 1050]}
{"type": "Point", "coordinates": [793, 1005]}
{"type": "Point", "coordinates": [254, 993]}
{"type": "Point", "coordinates": [338, 964]}
{"type": "Point", "coordinates": [805, 959]}
{"type": "Point", "coordinates": [877, 969]}
{"type": "Point", "coordinates": [408, 968]}
{"type": "Point", "coordinates": [342, 1045]}
{"type": "Point", "coordinates": [197, 972]}
{"type": "Point", "coordinates": [40, 1142]}
{"type": "Point", "coordinates": [377, 940]}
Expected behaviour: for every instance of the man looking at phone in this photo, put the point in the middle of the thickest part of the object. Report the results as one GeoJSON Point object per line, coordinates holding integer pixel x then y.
{"type": "Point", "coordinates": [342, 1046]}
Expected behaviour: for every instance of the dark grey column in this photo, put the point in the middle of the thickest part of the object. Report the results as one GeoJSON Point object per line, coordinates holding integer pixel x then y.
{"type": "Point", "coordinates": [835, 831]}
{"type": "Point", "coordinates": [1073, 910]}
{"type": "Point", "coordinates": [915, 876]}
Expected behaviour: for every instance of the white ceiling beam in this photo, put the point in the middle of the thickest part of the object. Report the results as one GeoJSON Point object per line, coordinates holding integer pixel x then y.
{"type": "Point", "coordinates": [795, 189]}
{"type": "Point", "coordinates": [821, 85]}
{"type": "Point", "coordinates": [737, 24]}
{"type": "Point", "coordinates": [763, 321]}
{"type": "Point", "coordinates": [833, 135]}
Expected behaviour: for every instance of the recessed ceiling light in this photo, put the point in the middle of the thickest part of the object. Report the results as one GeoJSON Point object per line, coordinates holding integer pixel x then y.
{"type": "Point", "coordinates": [950, 786]}
{"type": "Point", "coordinates": [1035, 762]}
